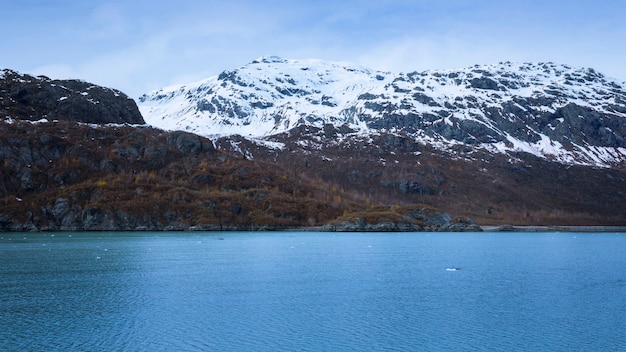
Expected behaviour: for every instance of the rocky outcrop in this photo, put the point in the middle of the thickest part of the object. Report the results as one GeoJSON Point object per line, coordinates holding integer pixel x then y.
{"type": "Point", "coordinates": [402, 219]}
{"type": "Point", "coordinates": [460, 225]}
{"type": "Point", "coordinates": [33, 98]}
{"type": "Point", "coordinates": [188, 143]}
{"type": "Point", "coordinates": [390, 226]}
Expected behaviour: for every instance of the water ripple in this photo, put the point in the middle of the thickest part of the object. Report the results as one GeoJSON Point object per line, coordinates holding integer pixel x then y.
{"type": "Point", "coordinates": [313, 292]}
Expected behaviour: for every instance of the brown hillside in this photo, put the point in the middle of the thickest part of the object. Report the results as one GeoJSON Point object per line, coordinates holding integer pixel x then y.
{"type": "Point", "coordinates": [65, 175]}
{"type": "Point", "coordinates": [70, 176]}
{"type": "Point", "coordinates": [492, 189]}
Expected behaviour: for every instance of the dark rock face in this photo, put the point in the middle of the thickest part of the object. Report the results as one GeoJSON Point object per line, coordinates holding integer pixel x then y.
{"type": "Point", "coordinates": [33, 98]}
{"type": "Point", "coordinates": [187, 142]}
{"type": "Point", "coordinates": [411, 220]}
{"type": "Point", "coordinates": [95, 219]}
{"type": "Point", "coordinates": [484, 83]}
{"type": "Point", "coordinates": [63, 214]}
{"type": "Point", "coordinates": [408, 187]}
{"type": "Point", "coordinates": [460, 225]}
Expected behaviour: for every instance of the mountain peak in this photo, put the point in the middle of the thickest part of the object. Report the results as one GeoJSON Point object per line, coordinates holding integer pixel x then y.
{"type": "Point", "coordinates": [270, 60]}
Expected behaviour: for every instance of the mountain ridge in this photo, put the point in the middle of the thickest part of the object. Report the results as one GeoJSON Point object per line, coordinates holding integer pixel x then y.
{"type": "Point", "coordinates": [502, 108]}
{"type": "Point", "coordinates": [376, 172]}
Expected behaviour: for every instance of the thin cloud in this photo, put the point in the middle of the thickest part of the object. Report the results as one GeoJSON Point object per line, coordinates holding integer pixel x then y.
{"type": "Point", "coordinates": [142, 45]}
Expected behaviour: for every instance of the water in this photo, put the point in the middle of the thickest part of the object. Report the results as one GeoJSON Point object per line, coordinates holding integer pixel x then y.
{"type": "Point", "coordinates": [312, 292]}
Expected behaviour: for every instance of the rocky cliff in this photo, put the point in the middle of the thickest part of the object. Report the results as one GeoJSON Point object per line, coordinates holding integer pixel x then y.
{"type": "Point", "coordinates": [34, 98]}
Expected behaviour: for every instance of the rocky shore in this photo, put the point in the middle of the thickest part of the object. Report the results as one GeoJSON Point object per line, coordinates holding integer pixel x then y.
{"type": "Point", "coordinates": [564, 228]}
{"type": "Point", "coordinates": [66, 220]}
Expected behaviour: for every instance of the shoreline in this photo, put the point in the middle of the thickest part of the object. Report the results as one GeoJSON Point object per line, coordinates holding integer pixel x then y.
{"type": "Point", "coordinates": [553, 228]}
{"type": "Point", "coordinates": [216, 229]}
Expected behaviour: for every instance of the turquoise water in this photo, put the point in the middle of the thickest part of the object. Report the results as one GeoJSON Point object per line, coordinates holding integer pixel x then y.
{"type": "Point", "coordinates": [313, 292]}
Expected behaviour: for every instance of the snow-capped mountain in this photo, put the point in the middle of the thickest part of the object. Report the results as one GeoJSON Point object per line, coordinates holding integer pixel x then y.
{"type": "Point", "coordinates": [566, 114]}
{"type": "Point", "coordinates": [269, 95]}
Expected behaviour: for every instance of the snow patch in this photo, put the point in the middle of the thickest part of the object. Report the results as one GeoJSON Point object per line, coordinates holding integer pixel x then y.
{"type": "Point", "coordinates": [268, 144]}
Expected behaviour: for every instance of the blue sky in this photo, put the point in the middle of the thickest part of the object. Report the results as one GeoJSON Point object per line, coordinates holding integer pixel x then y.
{"type": "Point", "coordinates": [140, 45]}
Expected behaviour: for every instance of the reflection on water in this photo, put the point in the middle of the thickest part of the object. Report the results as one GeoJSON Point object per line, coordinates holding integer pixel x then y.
{"type": "Point", "coordinates": [312, 291]}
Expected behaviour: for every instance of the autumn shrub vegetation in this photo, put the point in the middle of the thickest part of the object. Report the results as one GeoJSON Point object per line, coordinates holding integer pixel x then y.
{"type": "Point", "coordinates": [68, 175]}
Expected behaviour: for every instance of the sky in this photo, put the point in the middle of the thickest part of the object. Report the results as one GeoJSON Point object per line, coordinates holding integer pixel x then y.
{"type": "Point", "coordinates": [138, 46]}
